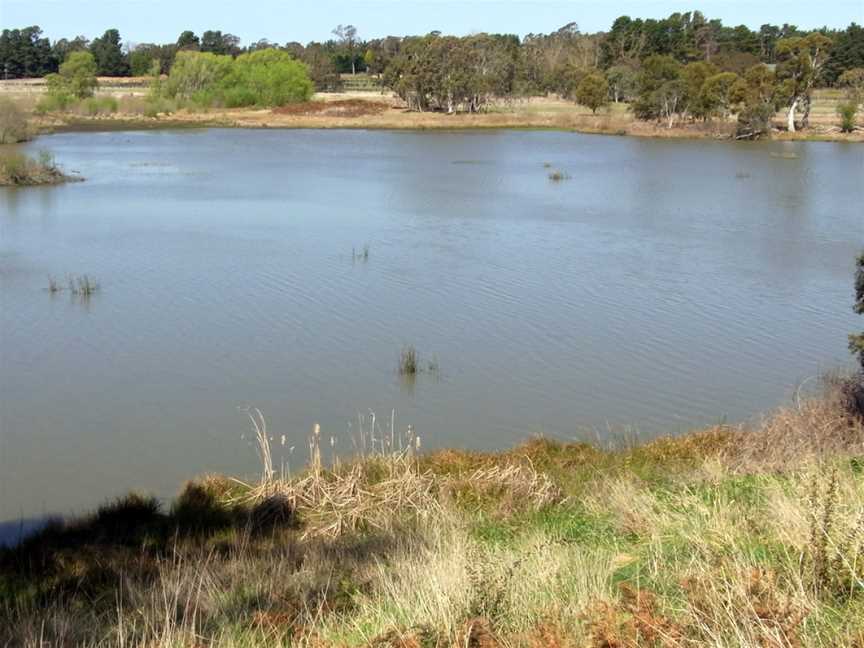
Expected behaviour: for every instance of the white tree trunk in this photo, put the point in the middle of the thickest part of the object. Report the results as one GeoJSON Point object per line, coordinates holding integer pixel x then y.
{"type": "Point", "coordinates": [790, 119]}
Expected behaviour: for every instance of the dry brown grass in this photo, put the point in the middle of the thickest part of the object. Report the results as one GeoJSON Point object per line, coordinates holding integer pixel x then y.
{"type": "Point", "coordinates": [723, 538]}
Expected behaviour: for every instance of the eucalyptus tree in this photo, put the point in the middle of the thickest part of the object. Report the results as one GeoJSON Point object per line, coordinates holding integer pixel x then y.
{"type": "Point", "coordinates": [800, 63]}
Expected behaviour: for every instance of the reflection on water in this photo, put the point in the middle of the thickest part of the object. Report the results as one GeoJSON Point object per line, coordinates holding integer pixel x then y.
{"type": "Point", "coordinates": [662, 285]}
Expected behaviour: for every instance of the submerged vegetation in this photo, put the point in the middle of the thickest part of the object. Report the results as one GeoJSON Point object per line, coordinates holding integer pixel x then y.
{"type": "Point", "coordinates": [725, 537]}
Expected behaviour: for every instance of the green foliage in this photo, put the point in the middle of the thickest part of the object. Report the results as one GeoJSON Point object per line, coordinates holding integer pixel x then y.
{"type": "Point", "coordinates": [140, 62]}
{"type": "Point", "coordinates": [593, 92]}
{"type": "Point", "coordinates": [757, 98]}
{"type": "Point", "coordinates": [623, 82]}
{"type": "Point", "coordinates": [99, 105]}
{"type": "Point", "coordinates": [110, 60]}
{"type": "Point", "coordinates": [77, 78]}
{"type": "Point", "coordinates": [25, 53]}
{"type": "Point", "coordinates": [266, 77]}
{"type": "Point", "coordinates": [800, 62]}
{"type": "Point", "coordinates": [656, 72]}
{"type": "Point", "coordinates": [847, 111]}
{"type": "Point", "coordinates": [715, 95]}
{"type": "Point", "coordinates": [856, 341]}
{"type": "Point", "coordinates": [13, 123]}
{"type": "Point", "coordinates": [453, 74]}
{"type": "Point", "coordinates": [195, 73]}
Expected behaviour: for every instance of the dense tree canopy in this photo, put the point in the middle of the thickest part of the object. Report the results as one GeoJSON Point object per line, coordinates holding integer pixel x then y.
{"type": "Point", "coordinates": [106, 50]}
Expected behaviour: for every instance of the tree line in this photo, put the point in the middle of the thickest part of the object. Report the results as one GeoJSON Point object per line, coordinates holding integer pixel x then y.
{"type": "Point", "coordinates": [684, 67]}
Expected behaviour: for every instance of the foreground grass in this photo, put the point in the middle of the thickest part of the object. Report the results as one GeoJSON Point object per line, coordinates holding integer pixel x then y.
{"type": "Point", "coordinates": [726, 537]}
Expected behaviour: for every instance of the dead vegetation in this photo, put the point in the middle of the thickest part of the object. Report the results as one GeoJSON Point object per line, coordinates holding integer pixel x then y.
{"type": "Point", "coordinates": [337, 108]}
{"type": "Point", "coordinates": [734, 536]}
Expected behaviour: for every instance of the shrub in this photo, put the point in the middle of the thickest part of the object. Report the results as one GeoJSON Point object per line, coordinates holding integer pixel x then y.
{"type": "Point", "coordinates": [99, 105]}
{"type": "Point", "coordinates": [54, 102]}
{"type": "Point", "coordinates": [13, 123]}
{"type": "Point", "coordinates": [593, 92]}
{"type": "Point", "coordinates": [847, 111]}
{"type": "Point", "coordinates": [77, 76]}
{"type": "Point", "coordinates": [269, 77]}
{"type": "Point", "coordinates": [194, 73]}
{"type": "Point", "coordinates": [262, 78]}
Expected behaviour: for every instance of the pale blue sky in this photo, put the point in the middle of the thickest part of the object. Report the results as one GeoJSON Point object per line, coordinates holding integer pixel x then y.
{"type": "Point", "coordinates": [284, 20]}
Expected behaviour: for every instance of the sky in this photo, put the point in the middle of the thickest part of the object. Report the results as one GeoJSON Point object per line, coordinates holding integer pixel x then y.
{"type": "Point", "coordinates": [281, 21]}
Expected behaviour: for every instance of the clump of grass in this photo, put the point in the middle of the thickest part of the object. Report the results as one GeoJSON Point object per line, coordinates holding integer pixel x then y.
{"type": "Point", "coordinates": [17, 170]}
{"type": "Point", "coordinates": [409, 362]}
{"type": "Point", "coordinates": [54, 286]}
{"type": "Point", "coordinates": [13, 123]}
{"type": "Point", "coordinates": [82, 286]}
{"type": "Point", "coordinates": [360, 255]}
{"type": "Point", "coordinates": [94, 106]}
{"type": "Point", "coordinates": [558, 176]}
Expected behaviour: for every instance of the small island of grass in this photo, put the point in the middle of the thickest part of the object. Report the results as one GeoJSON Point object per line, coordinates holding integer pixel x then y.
{"type": "Point", "coordinates": [19, 170]}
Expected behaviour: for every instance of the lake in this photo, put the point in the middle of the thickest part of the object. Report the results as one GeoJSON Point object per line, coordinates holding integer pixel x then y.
{"type": "Point", "coordinates": [663, 285]}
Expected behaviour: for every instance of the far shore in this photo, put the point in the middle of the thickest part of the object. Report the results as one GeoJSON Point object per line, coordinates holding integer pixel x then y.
{"type": "Point", "coordinates": [383, 110]}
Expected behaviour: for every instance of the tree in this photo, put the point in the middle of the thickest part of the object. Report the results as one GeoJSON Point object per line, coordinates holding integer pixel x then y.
{"type": "Point", "coordinates": [347, 38]}
{"type": "Point", "coordinates": [856, 341]}
{"type": "Point", "coordinates": [715, 95]}
{"type": "Point", "coordinates": [322, 69]}
{"type": "Point", "coordinates": [847, 53]}
{"type": "Point", "coordinates": [623, 82]}
{"type": "Point", "coordinates": [593, 92]}
{"type": "Point", "coordinates": [657, 71]}
{"type": "Point", "coordinates": [216, 42]}
{"type": "Point", "coordinates": [24, 53]}
{"type": "Point", "coordinates": [194, 74]}
{"type": "Point", "coordinates": [800, 62]}
{"type": "Point", "coordinates": [756, 98]}
{"type": "Point", "coordinates": [77, 76]}
{"type": "Point", "coordinates": [267, 77]}
{"type": "Point", "coordinates": [108, 55]}
{"type": "Point", "coordinates": [188, 41]}
{"type": "Point", "coordinates": [693, 76]}
{"type": "Point", "coordinates": [63, 47]}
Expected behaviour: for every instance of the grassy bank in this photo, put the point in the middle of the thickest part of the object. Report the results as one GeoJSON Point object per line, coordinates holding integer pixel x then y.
{"type": "Point", "coordinates": [375, 110]}
{"type": "Point", "coordinates": [730, 536]}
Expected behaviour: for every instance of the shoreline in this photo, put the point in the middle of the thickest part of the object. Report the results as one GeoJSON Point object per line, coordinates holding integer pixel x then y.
{"type": "Point", "coordinates": [372, 114]}
{"type": "Point", "coordinates": [706, 536]}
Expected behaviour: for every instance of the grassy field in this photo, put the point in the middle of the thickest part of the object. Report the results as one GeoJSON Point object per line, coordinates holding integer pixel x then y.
{"type": "Point", "coordinates": [381, 109]}
{"type": "Point", "coordinates": [732, 536]}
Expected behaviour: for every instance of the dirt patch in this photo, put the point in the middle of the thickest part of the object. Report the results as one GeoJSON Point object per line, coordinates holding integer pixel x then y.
{"type": "Point", "coordinates": [339, 108]}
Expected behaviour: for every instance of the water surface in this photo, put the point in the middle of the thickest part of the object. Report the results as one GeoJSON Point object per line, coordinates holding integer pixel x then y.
{"type": "Point", "coordinates": [665, 285]}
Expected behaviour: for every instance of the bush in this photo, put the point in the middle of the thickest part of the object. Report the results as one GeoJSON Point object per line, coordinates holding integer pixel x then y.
{"type": "Point", "coordinates": [847, 111]}
{"type": "Point", "coordinates": [77, 76]}
{"type": "Point", "coordinates": [99, 106]}
{"type": "Point", "coordinates": [593, 92]}
{"type": "Point", "coordinates": [262, 78]}
{"type": "Point", "coordinates": [268, 77]}
{"type": "Point", "coordinates": [54, 103]}
{"type": "Point", "coordinates": [13, 123]}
